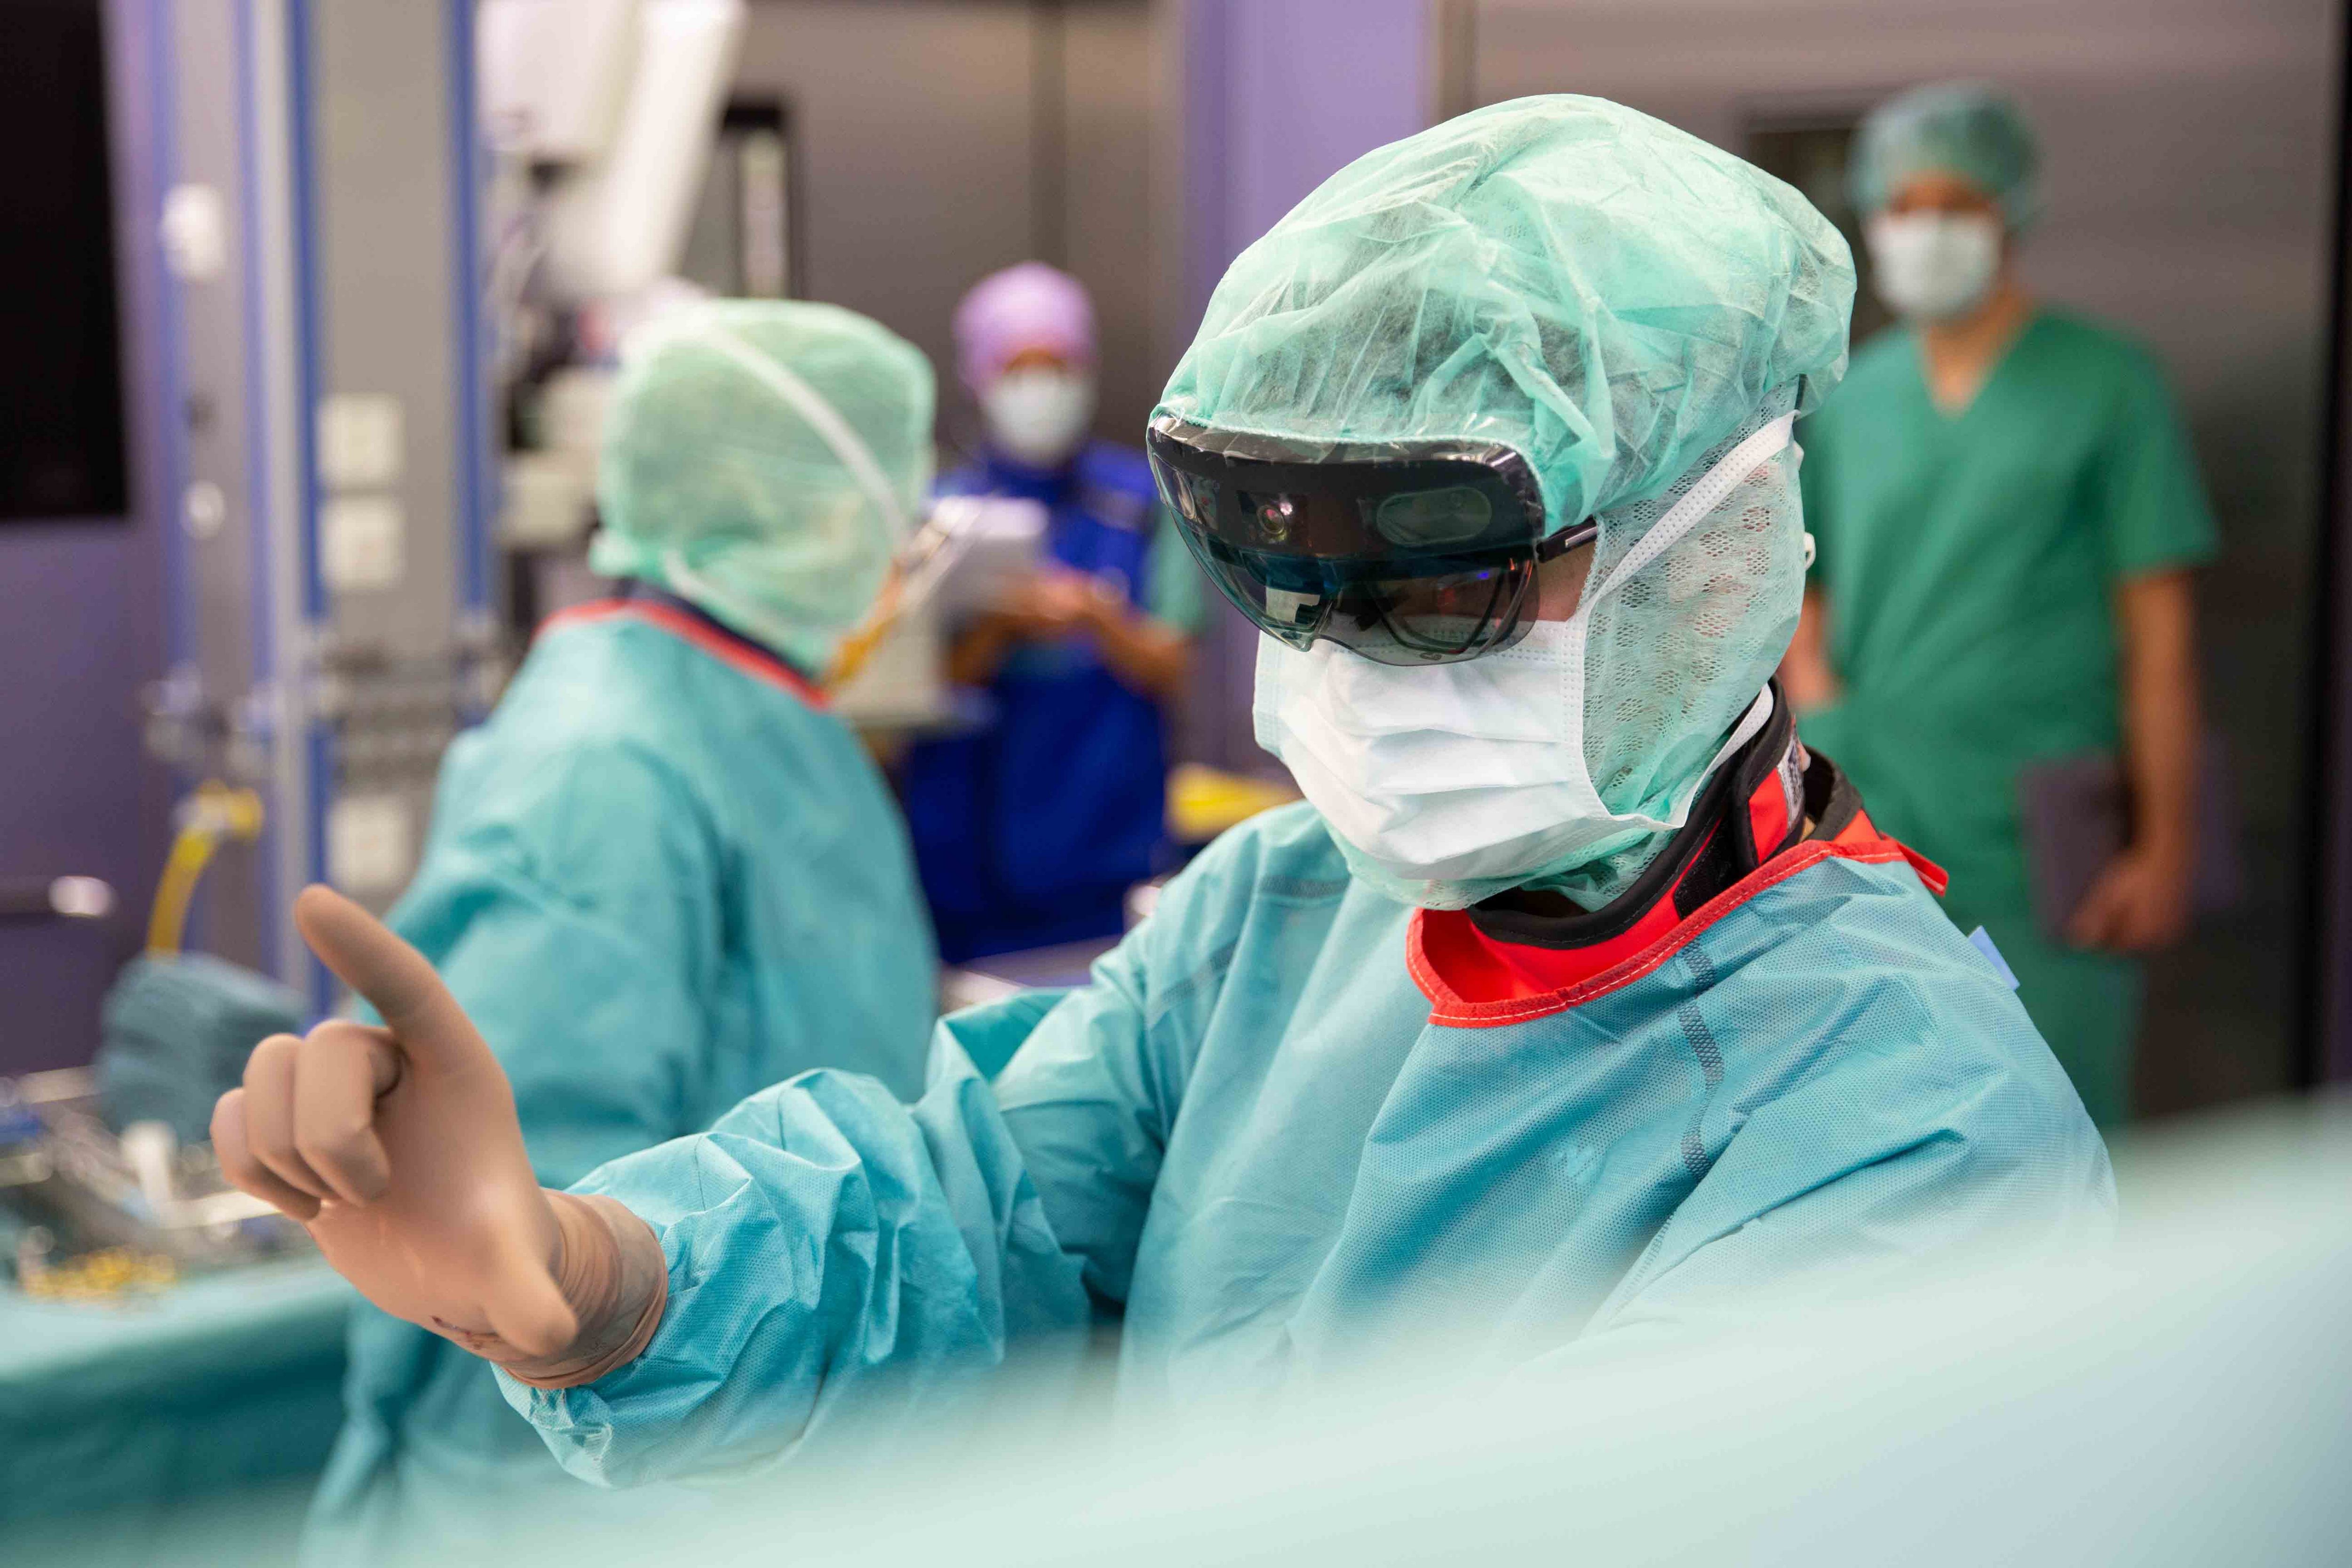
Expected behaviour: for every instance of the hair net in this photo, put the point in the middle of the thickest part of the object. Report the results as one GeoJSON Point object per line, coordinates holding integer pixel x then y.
{"type": "Point", "coordinates": [1965, 128]}
{"type": "Point", "coordinates": [1618, 302]}
{"type": "Point", "coordinates": [1031, 306]}
{"type": "Point", "coordinates": [762, 459]}
{"type": "Point", "coordinates": [1598, 292]}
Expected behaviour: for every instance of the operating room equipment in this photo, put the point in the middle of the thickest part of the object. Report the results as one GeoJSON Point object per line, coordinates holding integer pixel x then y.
{"type": "Point", "coordinates": [68, 1175]}
{"type": "Point", "coordinates": [212, 815]}
{"type": "Point", "coordinates": [55, 898]}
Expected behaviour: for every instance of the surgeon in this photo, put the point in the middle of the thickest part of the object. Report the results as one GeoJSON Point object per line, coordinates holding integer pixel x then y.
{"type": "Point", "coordinates": [1577, 1005]}
{"type": "Point", "coordinates": [663, 876]}
{"type": "Point", "coordinates": [2007, 515]}
{"type": "Point", "coordinates": [1030, 828]}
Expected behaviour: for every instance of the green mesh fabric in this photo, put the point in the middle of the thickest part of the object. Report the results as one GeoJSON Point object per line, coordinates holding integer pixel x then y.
{"type": "Point", "coordinates": [717, 487]}
{"type": "Point", "coordinates": [1675, 656]}
{"type": "Point", "coordinates": [1963, 128]}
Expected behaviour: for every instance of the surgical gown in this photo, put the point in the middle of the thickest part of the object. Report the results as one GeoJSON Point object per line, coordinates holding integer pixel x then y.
{"type": "Point", "coordinates": [660, 878]}
{"type": "Point", "coordinates": [1257, 1138]}
{"type": "Point", "coordinates": [1969, 562]}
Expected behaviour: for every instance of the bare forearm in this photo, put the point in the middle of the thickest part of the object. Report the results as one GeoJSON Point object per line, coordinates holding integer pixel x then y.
{"type": "Point", "coordinates": [2161, 710]}
{"type": "Point", "coordinates": [1146, 654]}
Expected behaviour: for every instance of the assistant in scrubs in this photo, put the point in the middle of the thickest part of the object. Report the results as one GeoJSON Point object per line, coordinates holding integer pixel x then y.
{"type": "Point", "coordinates": [2007, 512]}
{"type": "Point", "coordinates": [1579, 1004]}
{"type": "Point", "coordinates": [1031, 824]}
{"type": "Point", "coordinates": [663, 876]}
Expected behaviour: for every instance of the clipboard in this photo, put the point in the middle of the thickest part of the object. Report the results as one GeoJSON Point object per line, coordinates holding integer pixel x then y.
{"type": "Point", "coordinates": [2075, 813]}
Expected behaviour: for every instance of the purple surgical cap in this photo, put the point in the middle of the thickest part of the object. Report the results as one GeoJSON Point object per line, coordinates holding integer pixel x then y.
{"type": "Point", "coordinates": [1031, 306]}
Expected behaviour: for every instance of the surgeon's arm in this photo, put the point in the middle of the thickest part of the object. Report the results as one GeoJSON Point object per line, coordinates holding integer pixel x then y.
{"type": "Point", "coordinates": [2141, 900]}
{"type": "Point", "coordinates": [1147, 655]}
{"type": "Point", "coordinates": [825, 1260]}
{"type": "Point", "coordinates": [840, 1263]}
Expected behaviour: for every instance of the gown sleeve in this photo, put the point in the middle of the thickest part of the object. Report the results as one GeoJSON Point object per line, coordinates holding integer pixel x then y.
{"type": "Point", "coordinates": [843, 1266]}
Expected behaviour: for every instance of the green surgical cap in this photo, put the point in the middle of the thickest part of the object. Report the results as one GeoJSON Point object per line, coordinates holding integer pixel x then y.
{"type": "Point", "coordinates": [1598, 292]}
{"type": "Point", "coordinates": [1963, 128]}
{"type": "Point", "coordinates": [762, 459]}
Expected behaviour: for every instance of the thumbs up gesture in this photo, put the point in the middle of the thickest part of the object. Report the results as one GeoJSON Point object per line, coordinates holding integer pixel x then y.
{"type": "Point", "coordinates": [397, 1148]}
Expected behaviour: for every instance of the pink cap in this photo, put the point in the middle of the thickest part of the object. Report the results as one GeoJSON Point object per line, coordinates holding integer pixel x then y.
{"type": "Point", "coordinates": [1031, 306]}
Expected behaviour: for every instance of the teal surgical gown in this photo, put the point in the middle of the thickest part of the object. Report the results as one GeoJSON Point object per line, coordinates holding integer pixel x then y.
{"type": "Point", "coordinates": [1969, 562]}
{"type": "Point", "coordinates": [1251, 1136]}
{"type": "Point", "coordinates": [659, 878]}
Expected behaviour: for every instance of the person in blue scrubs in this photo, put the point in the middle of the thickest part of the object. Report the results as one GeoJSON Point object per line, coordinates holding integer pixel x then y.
{"type": "Point", "coordinates": [663, 875]}
{"type": "Point", "coordinates": [1579, 1004]}
{"type": "Point", "coordinates": [1030, 828]}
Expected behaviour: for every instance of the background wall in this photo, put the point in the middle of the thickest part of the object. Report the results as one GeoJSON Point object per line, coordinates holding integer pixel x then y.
{"type": "Point", "coordinates": [1277, 95]}
{"type": "Point", "coordinates": [941, 140]}
{"type": "Point", "coordinates": [82, 631]}
{"type": "Point", "coordinates": [2188, 170]}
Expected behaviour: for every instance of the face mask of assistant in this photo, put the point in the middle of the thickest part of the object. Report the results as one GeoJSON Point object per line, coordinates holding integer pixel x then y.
{"type": "Point", "coordinates": [1934, 265]}
{"type": "Point", "coordinates": [1039, 416]}
{"type": "Point", "coordinates": [1460, 773]}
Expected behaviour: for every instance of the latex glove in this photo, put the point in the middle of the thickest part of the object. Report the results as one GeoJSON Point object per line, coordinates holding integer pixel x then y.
{"type": "Point", "coordinates": [2139, 904]}
{"type": "Point", "coordinates": [398, 1150]}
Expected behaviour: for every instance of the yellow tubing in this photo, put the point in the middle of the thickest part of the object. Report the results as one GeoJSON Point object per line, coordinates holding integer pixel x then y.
{"type": "Point", "coordinates": [859, 644]}
{"type": "Point", "coordinates": [215, 813]}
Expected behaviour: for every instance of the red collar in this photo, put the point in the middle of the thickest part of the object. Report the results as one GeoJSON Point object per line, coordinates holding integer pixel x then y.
{"type": "Point", "coordinates": [738, 653]}
{"type": "Point", "coordinates": [1474, 980]}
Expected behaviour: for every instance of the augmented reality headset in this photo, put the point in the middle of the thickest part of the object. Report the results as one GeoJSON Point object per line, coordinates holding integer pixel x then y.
{"type": "Point", "coordinates": [1406, 554]}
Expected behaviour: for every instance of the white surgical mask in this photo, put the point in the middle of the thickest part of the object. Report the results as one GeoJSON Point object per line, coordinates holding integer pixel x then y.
{"type": "Point", "coordinates": [1449, 782]}
{"type": "Point", "coordinates": [1931, 266]}
{"type": "Point", "coordinates": [1039, 416]}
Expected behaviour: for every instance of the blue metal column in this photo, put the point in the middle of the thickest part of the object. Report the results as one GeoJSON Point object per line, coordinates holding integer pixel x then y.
{"type": "Point", "coordinates": [276, 127]}
{"type": "Point", "coordinates": [476, 482]}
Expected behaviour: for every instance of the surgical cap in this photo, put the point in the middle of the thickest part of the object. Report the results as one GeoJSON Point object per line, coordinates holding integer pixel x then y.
{"type": "Point", "coordinates": [762, 459]}
{"type": "Point", "coordinates": [1963, 128]}
{"type": "Point", "coordinates": [1617, 302]}
{"type": "Point", "coordinates": [1605, 295]}
{"type": "Point", "coordinates": [1006, 313]}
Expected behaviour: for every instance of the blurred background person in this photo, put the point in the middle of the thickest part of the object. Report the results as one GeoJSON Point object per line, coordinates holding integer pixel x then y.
{"type": "Point", "coordinates": [1030, 826]}
{"type": "Point", "coordinates": [662, 876]}
{"type": "Point", "coordinates": [2007, 513]}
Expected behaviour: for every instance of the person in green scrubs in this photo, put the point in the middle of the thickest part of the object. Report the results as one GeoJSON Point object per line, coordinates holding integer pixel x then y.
{"type": "Point", "coordinates": [2006, 512]}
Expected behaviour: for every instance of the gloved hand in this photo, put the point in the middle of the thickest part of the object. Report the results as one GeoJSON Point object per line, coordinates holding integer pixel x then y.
{"type": "Point", "coordinates": [398, 1149]}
